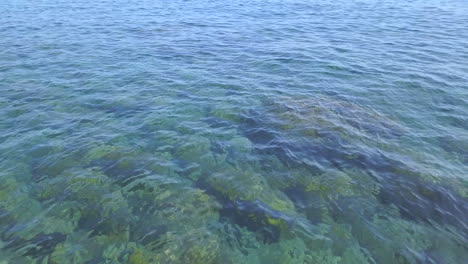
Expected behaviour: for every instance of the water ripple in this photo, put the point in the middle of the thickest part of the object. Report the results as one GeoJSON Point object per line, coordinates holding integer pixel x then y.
{"type": "Point", "coordinates": [233, 132]}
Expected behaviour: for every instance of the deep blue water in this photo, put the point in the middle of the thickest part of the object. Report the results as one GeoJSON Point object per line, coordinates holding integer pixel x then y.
{"type": "Point", "coordinates": [248, 131]}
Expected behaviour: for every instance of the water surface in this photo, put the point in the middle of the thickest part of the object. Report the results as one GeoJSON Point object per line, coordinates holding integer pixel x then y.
{"type": "Point", "coordinates": [233, 131]}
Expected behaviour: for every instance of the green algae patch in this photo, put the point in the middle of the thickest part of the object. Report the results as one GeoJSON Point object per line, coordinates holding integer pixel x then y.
{"type": "Point", "coordinates": [138, 257]}
{"type": "Point", "coordinates": [323, 256]}
{"type": "Point", "coordinates": [193, 149]}
{"type": "Point", "coordinates": [229, 114]}
{"type": "Point", "coordinates": [314, 115]}
{"type": "Point", "coordinates": [193, 186]}
{"type": "Point", "coordinates": [291, 251]}
{"type": "Point", "coordinates": [331, 183]}
{"type": "Point", "coordinates": [248, 186]}
{"type": "Point", "coordinates": [101, 151]}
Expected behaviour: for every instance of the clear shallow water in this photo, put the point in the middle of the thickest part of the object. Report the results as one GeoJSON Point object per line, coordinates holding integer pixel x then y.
{"type": "Point", "coordinates": [219, 132]}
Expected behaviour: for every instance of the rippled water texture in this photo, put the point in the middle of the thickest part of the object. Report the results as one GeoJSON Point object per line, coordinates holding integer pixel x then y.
{"type": "Point", "coordinates": [224, 132]}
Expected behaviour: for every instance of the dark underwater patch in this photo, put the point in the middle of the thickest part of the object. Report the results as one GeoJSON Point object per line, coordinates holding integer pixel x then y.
{"type": "Point", "coordinates": [257, 217]}
{"type": "Point", "coordinates": [40, 245]}
{"type": "Point", "coordinates": [417, 200]}
{"type": "Point", "coordinates": [150, 236]}
{"type": "Point", "coordinates": [423, 201]}
{"type": "Point", "coordinates": [254, 216]}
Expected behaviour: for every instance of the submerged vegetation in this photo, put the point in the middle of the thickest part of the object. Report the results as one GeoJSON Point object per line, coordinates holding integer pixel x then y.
{"type": "Point", "coordinates": [232, 132]}
{"type": "Point", "coordinates": [262, 191]}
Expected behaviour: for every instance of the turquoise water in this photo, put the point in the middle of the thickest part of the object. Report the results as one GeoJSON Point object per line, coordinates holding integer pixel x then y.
{"type": "Point", "coordinates": [233, 131]}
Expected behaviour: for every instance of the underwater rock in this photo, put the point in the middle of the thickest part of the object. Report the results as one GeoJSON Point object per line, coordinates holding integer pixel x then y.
{"type": "Point", "coordinates": [387, 238]}
{"type": "Point", "coordinates": [354, 255]}
{"type": "Point", "coordinates": [241, 144]}
{"type": "Point", "coordinates": [138, 257]}
{"type": "Point", "coordinates": [331, 183]}
{"type": "Point", "coordinates": [80, 248]}
{"type": "Point", "coordinates": [171, 218]}
{"type": "Point", "coordinates": [84, 199]}
{"type": "Point", "coordinates": [18, 169]}
{"type": "Point", "coordinates": [268, 224]}
{"type": "Point", "coordinates": [314, 132]}
{"type": "Point", "coordinates": [117, 162]}
{"type": "Point", "coordinates": [322, 256]}
{"type": "Point", "coordinates": [425, 201]}
{"type": "Point", "coordinates": [204, 251]}
{"type": "Point", "coordinates": [322, 113]}
{"type": "Point", "coordinates": [125, 164]}
{"type": "Point", "coordinates": [194, 157]}
{"type": "Point", "coordinates": [217, 122]}
{"type": "Point", "coordinates": [160, 124]}
{"type": "Point", "coordinates": [340, 183]}
{"type": "Point", "coordinates": [99, 152]}
{"type": "Point", "coordinates": [52, 166]}
{"type": "Point", "coordinates": [343, 149]}
{"type": "Point", "coordinates": [142, 256]}
{"type": "Point", "coordinates": [6, 220]}
{"type": "Point", "coordinates": [248, 201]}
{"type": "Point", "coordinates": [149, 235]}
{"type": "Point", "coordinates": [458, 146]}
{"type": "Point", "coordinates": [24, 228]}
{"type": "Point", "coordinates": [229, 115]}
{"type": "Point", "coordinates": [39, 246]}
{"type": "Point", "coordinates": [10, 257]}
{"type": "Point", "coordinates": [8, 186]}
{"type": "Point", "coordinates": [312, 193]}
{"type": "Point", "coordinates": [195, 245]}
{"type": "Point", "coordinates": [114, 252]}
{"type": "Point", "coordinates": [284, 251]}
{"type": "Point", "coordinates": [238, 184]}
{"type": "Point", "coordinates": [459, 184]}
{"type": "Point", "coordinates": [17, 202]}
{"type": "Point", "coordinates": [358, 213]}
{"type": "Point", "coordinates": [120, 108]}
{"type": "Point", "coordinates": [192, 148]}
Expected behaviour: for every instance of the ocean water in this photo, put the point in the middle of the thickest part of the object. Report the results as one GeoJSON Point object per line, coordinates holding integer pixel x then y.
{"type": "Point", "coordinates": [215, 131]}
